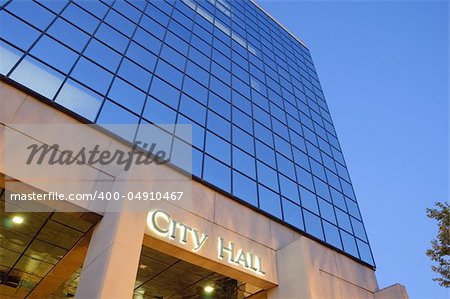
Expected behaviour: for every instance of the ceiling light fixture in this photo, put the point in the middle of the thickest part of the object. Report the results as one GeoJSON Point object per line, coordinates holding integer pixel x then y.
{"type": "Point", "coordinates": [209, 289]}
{"type": "Point", "coordinates": [17, 219]}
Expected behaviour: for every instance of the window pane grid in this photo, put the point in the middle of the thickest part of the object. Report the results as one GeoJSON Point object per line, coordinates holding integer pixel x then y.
{"type": "Point", "coordinates": [249, 89]}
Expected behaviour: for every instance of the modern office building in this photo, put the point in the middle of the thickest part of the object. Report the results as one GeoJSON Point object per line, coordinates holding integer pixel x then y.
{"type": "Point", "coordinates": [272, 212]}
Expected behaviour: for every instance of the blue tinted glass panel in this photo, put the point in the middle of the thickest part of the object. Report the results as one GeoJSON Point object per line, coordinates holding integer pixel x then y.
{"type": "Point", "coordinates": [244, 162]}
{"type": "Point", "coordinates": [358, 228]}
{"type": "Point", "coordinates": [289, 189]}
{"type": "Point", "coordinates": [148, 41]}
{"type": "Point", "coordinates": [141, 56]}
{"type": "Point", "coordinates": [219, 106]}
{"type": "Point", "coordinates": [79, 99]}
{"type": "Point", "coordinates": [112, 37]}
{"type": "Point", "coordinates": [261, 127]}
{"type": "Point", "coordinates": [126, 95]}
{"type": "Point", "coordinates": [292, 214]}
{"type": "Point", "coordinates": [171, 74]}
{"type": "Point", "coordinates": [265, 153]}
{"type": "Point", "coordinates": [195, 90]}
{"type": "Point", "coordinates": [243, 140]}
{"type": "Point", "coordinates": [197, 162]}
{"type": "Point", "coordinates": [31, 12]}
{"type": "Point", "coordinates": [113, 114]}
{"type": "Point", "coordinates": [218, 148]}
{"type": "Point", "coordinates": [102, 54]}
{"type": "Point", "coordinates": [327, 211]}
{"type": "Point", "coordinates": [68, 34]}
{"type": "Point", "coordinates": [353, 208]}
{"type": "Point", "coordinates": [96, 8]}
{"type": "Point", "coordinates": [50, 51]}
{"type": "Point", "coordinates": [92, 75]}
{"type": "Point", "coordinates": [267, 176]}
{"type": "Point", "coordinates": [193, 109]}
{"type": "Point", "coordinates": [159, 113]}
{"type": "Point", "coordinates": [10, 56]}
{"type": "Point", "coordinates": [197, 73]}
{"type": "Point", "coordinates": [165, 92]}
{"type": "Point", "coordinates": [219, 125]}
{"type": "Point", "coordinates": [263, 134]}
{"type": "Point", "coordinates": [37, 77]}
{"type": "Point", "coordinates": [198, 132]}
{"type": "Point", "coordinates": [304, 178]}
{"type": "Point", "coordinates": [309, 200]}
{"type": "Point", "coordinates": [55, 6]}
{"type": "Point", "coordinates": [120, 23]}
{"type": "Point", "coordinates": [332, 234]}
{"type": "Point", "coordinates": [245, 188]}
{"type": "Point", "coordinates": [364, 251]}
{"type": "Point", "coordinates": [343, 220]}
{"type": "Point", "coordinates": [217, 173]}
{"type": "Point", "coordinates": [338, 199]}
{"type": "Point", "coordinates": [313, 225]}
{"type": "Point", "coordinates": [128, 10]}
{"type": "Point", "coordinates": [269, 201]}
{"type": "Point", "coordinates": [18, 33]}
{"type": "Point", "coordinates": [81, 18]}
{"type": "Point", "coordinates": [134, 74]}
{"type": "Point", "coordinates": [349, 243]}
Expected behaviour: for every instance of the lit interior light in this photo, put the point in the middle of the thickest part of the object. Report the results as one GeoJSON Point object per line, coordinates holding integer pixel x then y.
{"type": "Point", "coordinates": [209, 289]}
{"type": "Point", "coordinates": [17, 219]}
{"type": "Point", "coordinates": [142, 266]}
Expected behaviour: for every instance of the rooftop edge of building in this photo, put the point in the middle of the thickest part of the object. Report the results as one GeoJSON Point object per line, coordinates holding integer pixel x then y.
{"type": "Point", "coordinates": [281, 25]}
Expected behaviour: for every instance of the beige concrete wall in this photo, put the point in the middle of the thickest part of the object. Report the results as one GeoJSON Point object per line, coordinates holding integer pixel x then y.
{"type": "Point", "coordinates": [302, 268]}
{"type": "Point", "coordinates": [396, 291]}
{"type": "Point", "coordinates": [320, 272]}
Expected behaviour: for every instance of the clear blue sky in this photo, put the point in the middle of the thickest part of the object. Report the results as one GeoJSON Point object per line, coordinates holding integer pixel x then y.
{"type": "Point", "coordinates": [384, 67]}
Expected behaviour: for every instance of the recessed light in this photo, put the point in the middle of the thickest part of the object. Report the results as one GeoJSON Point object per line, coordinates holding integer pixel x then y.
{"type": "Point", "coordinates": [209, 289]}
{"type": "Point", "coordinates": [17, 219]}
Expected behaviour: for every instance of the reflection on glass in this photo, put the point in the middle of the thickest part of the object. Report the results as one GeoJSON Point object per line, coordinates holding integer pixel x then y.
{"type": "Point", "coordinates": [267, 175]}
{"type": "Point", "coordinates": [269, 201]}
{"type": "Point", "coordinates": [102, 54]}
{"type": "Point", "coordinates": [332, 234]}
{"type": "Point", "coordinates": [9, 56]}
{"type": "Point", "coordinates": [289, 189]}
{"type": "Point", "coordinates": [349, 243]}
{"type": "Point", "coordinates": [313, 225]}
{"type": "Point", "coordinates": [343, 220]}
{"type": "Point", "coordinates": [244, 162]}
{"type": "Point", "coordinates": [217, 173]}
{"type": "Point", "coordinates": [222, 66]}
{"type": "Point", "coordinates": [92, 75]}
{"type": "Point", "coordinates": [32, 12]}
{"type": "Point", "coordinates": [51, 52]}
{"type": "Point", "coordinates": [19, 34]}
{"type": "Point", "coordinates": [79, 99]}
{"type": "Point", "coordinates": [292, 214]}
{"type": "Point", "coordinates": [37, 77]}
{"type": "Point", "coordinates": [68, 34]}
{"type": "Point", "coordinates": [218, 148]}
{"type": "Point", "coordinates": [83, 19]}
{"type": "Point", "coordinates": [245, 188]}
{"type": "Point", "coordinates": [364, 251]}
{"type": "Point", "coordinates": [127, 95]}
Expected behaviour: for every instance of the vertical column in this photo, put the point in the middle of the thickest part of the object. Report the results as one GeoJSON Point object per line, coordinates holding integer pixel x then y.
{"type": "Point", "coordinates": [293, 273]}
{"type": "Point", "coordinates": [111, 264]}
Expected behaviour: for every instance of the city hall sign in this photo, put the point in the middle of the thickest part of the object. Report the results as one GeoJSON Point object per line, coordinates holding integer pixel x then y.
{"type": "Point", "coordinates": [162, 224]}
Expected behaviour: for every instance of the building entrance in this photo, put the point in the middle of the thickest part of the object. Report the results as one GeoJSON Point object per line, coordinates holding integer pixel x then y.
{"type": "Point", "coordinates": [163, 276]}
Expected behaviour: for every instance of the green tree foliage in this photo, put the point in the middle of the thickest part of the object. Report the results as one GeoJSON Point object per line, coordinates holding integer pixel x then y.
{"type": "Point", "coordinates": [440, 251]}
